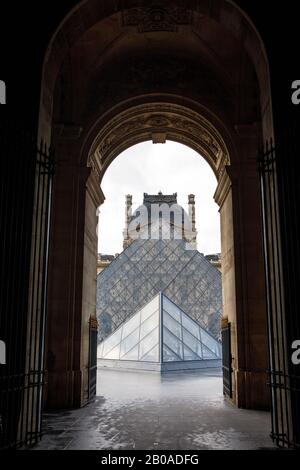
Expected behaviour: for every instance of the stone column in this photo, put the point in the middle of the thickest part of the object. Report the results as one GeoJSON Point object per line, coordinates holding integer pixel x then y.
{"type": "Point", "coordinates": [93, 199]}
{"type": "Point", "coordinates": [244, 305]}
{"type": "Point", "coordinates": [72, 276]}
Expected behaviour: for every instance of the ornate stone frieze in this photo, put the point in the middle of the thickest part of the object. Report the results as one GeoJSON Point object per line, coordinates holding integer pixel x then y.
{"type": "Point", "coordinates": [160, 122]}
{"type": "Point", "coordinates": [156, 17]}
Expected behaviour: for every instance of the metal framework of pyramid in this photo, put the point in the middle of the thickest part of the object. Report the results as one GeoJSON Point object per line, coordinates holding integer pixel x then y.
{"type": "Point", "coordinates": [160, 337]}
{"type": "Point", "coordinates": [148, 267]}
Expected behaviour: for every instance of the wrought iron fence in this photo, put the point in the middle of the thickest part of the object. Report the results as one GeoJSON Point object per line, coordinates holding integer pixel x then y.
{"type": "Point", "coordinates": [93, 358]}
{"type": "Point", "coordinates": [26, 185]}
{"type": "Point", "coordinates": [227, 360]}
{"type": "Point", "coordinates": [283, 320]}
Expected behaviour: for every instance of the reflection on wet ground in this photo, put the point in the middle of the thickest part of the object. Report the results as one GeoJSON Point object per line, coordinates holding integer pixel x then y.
{"type": "Point", "coordinates": [135, 410]}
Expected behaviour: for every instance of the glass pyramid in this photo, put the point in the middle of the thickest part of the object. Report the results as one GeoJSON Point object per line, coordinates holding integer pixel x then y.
{"type": "Point", "coordinates": [160, 333]}
{"type": "Point", "coordinates": [148, 267]}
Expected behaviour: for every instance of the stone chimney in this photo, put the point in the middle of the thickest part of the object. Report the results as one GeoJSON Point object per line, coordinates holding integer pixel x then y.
{"type": "Point", "coordinates": [128, 215]}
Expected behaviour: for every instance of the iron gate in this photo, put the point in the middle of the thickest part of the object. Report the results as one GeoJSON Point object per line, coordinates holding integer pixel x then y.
{"type": "Point", "coordinates": [26, 186]}
{"type": "Point", "coordinates": [93, 357]}
{"type": "Point", "coordinates": [283, 320]}
{"type": "Point", "coordinates": [227, 359]}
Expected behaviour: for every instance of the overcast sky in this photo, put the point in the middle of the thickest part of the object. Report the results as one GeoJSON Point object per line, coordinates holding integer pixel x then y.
{"type": "Point", "coordinates": [147, 168]}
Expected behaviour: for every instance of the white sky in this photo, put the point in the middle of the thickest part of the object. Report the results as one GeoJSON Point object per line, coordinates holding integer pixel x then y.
{"type": "Point", "coordinates": [147, 168]}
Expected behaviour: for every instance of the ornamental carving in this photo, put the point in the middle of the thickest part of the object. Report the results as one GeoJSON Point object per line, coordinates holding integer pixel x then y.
{"type": "Point", "coordinates": [157, 18]}
{"type": "Point", "coordinates": [186, 127]}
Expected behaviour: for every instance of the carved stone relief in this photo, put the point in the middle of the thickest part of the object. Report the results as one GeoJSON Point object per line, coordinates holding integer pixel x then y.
{"type": "Point", "coordinates": [157, 119]}
{"type": "Point", "coordinates": [156, 17]}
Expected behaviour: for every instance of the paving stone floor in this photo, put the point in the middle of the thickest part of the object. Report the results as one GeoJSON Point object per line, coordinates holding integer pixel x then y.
{"type": "Point", "coordinates": [179, 411]}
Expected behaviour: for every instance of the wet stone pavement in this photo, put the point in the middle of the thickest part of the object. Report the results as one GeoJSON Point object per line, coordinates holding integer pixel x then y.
{"type": "Point", "coordinates": [178, 411]}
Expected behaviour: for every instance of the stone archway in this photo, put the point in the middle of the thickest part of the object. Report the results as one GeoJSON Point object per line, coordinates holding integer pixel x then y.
{"type": "Point", "coordinates": [97, 101]}
{"type": "Point", "coordinates": [158, 119]}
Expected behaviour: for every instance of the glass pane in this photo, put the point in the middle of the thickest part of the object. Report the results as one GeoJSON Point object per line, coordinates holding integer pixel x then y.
{"type": "Point", "coordinates": [189, 355]}
{"type": "Point", "coordinates": [207, 353]}
{"type": "Point", "coordinates": [129, 342]}
{"type": "Point", "coordinates": [149, 309]}
{"type": "Point", "coordinates": [111, 342]}
{"type": "Point", "coordinates": [210, 342]}
{"type": "Point", "coordinates": [131, 325]}
{"type": "Point", "coordinates": [172, 325]}
{"type": "Point", "coordinates": [191, 326]}
{"type": "Point", "coordinates": [113, 354]}
{"type": "Point", "coordinates": [99, 350]}
{"type": "Point", "coordinates": [132, 355]}
{"type": "Point", "coordinates": [192, 343]}
{"type": "Point", "coordinates": [171, 309]}
{"type": "Point", "coordinates": [169, 356]}
{"type": "Point", "coordinates": [152, 356]}
{"type": "Point", "coordinates": [173, 343]}
{"type": "Point", "coordinates": [149, 342]}
{"type": "Point", "coordinates": [149, 325]}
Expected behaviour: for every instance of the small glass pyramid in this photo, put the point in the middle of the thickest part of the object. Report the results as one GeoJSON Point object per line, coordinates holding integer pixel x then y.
{"type": "Point", "coordinates": [160, 337]}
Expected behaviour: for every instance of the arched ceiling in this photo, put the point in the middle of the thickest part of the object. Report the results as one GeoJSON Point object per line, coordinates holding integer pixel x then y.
{"type": "Point", "coordinates": [113, 52]}
{"type": "Point", "coordinates": [157, 46]}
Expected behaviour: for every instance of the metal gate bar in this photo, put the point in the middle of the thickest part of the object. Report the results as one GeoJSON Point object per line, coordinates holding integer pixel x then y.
{"type": "Point", "coordinates": [283, 379]}
{"type": "Point", "coordinates": [26, 181]}
{"type": "Point", "coordinates": [93, 358]}
{"type": "Point", "coordinates": [227, 360]}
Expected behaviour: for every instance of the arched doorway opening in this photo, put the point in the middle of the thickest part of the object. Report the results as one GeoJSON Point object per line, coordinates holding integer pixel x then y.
{"type": "Point", "coordinates": [117, 76]}
{"type": "Point", "coordinates": [169, 120]}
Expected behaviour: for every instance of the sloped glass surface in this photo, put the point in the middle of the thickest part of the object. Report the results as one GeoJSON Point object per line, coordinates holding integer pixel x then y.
{"type": "Point", "coordinates": [132, 355]}
{"type": "Point", "coordinates": [148, 325]}
{"type": "Point", "coordinates": [114, 353]}
{"type": "Point", "coordinates": [150, 308]}
{"type": "Point", "coordinates": [191, 326]}
{"type": "Point", "coordinates": [192, 343]}
{"type": "Point", "coordinates": [131, 325]}
{"type": "Point", "coordinates": [149, 342]}
{"type": "Point", "coordinates": [129, 342]}
{"type": "Point", "coordinates": [210, 343]}
{"type": "Point", "coordinates": [152, 356]}
{"type": "Point", "coordinates": [207, 353]}
{"type": "Point", "coordinates": [148, 267]}
{"type": "Point", "coordinates": [169, 355]}
{"type": "Point", "coordinates": [190, 355]}
{"type": "Point", "coordinates": [172, 309]}
{"type": "Point", "coordinates": [144, 335]}
{"type": "Point", "coordinates": [112, 342]}
{"type": "Point", "coordinates": [172, 325]}
{"type": "Point", "coordinates": [182, 341]}
{"type": "Point", "coordinates": [173, 343]}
